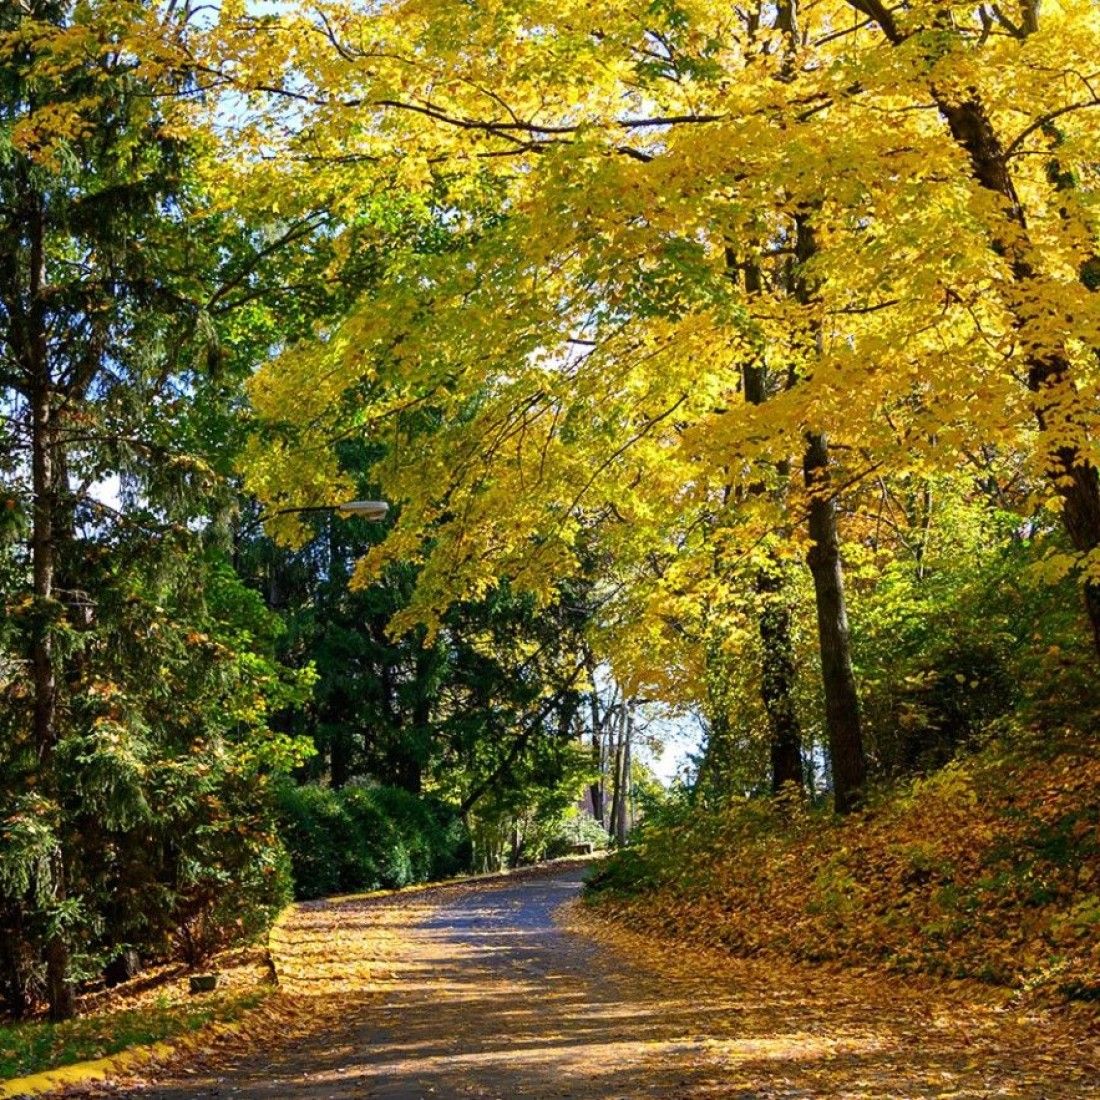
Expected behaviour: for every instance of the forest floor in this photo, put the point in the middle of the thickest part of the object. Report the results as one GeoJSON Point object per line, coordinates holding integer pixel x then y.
{"type": "Point", "coordinates": [507, 989]}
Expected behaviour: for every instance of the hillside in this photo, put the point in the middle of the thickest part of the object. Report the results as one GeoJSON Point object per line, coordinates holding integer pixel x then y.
{"type": "Point", "coordinates": [987, 869]}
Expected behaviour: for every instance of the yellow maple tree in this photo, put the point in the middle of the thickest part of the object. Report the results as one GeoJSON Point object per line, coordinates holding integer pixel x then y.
{"type": "Point", "coordinates": [555, 367]}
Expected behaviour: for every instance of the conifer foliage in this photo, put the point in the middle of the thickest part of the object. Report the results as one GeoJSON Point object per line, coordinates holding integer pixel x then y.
{"type": "Point", "coordinates": [138, 670]}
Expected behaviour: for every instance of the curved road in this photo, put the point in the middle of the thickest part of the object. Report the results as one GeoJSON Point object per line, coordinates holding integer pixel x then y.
{"type": "Point", "coordinates": [475, 991]}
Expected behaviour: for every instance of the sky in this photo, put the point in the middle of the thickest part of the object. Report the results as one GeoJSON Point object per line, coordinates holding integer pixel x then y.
{"type": "Point", "coordinates": [680, 738]}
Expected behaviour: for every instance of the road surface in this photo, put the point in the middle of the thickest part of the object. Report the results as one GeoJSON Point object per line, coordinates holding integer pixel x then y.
{"type": "Point", "coordinates": [477, 991]}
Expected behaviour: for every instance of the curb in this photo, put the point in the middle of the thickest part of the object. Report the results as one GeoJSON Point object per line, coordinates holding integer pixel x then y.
{"type": "Point", "coordinates": [124, 1061]}
{"type": "Point", "coordinates": [112, 1065]}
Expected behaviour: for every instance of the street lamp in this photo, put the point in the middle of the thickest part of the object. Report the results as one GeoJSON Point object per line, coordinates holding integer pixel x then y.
{"type": "Point", "coordinates": [375, 510]}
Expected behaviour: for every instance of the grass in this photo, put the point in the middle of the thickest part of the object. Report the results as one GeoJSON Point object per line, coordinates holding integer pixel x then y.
{"type": "Point", "coordinates": [36, 1045]}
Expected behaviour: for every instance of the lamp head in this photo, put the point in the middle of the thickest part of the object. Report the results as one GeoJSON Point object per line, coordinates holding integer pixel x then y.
{"type": "Point", "coordinates": [376, 510]}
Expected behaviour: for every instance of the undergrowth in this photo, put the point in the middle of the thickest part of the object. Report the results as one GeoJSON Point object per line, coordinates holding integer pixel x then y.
{"type": "Point", "coordinates": [367, 838]}
{"type": "Point", "coordinates": [989, 868]}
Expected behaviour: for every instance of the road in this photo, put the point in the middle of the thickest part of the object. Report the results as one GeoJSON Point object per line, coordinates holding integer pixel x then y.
{"type": "Point", "coordinates": [477, 991]}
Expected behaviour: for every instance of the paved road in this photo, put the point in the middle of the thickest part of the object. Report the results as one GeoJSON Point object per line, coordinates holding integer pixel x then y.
{"type": "Point", "coordinates": [476, 992]}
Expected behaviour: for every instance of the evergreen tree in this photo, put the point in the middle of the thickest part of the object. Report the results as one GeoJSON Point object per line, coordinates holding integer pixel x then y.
{"type": "Point", "coordinates": [138, 672]}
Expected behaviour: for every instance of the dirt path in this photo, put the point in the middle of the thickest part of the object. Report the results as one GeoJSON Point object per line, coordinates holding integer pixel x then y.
{"type": "Point", "coordinates": [478, 992]}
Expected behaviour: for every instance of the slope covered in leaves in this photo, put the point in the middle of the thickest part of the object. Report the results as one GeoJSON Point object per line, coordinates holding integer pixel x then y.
{"type": "Point", "coordinates": [989, 868]}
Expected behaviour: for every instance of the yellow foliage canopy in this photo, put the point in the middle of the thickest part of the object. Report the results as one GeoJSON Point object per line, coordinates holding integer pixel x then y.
{"type": "Point", "coordinates": [556, 369]}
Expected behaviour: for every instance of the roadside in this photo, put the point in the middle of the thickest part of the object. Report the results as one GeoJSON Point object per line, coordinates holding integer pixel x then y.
{"type": "Point", "coordinates": [154, 1019]}
{"type": "Point", "coordinates": [153, 1008]}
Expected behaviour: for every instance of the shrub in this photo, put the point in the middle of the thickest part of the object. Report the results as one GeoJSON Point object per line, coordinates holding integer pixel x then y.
{"type": "Point", "coordinates": [233, 907]}
{"type": "Point", "coordinates": [312, 823]}
{"type": "Point", "coordinates": [201, 868]}
{"type": "Point", "coordinates": [577, 828]}
{"type": "Point", "coordinates": [367, 838]}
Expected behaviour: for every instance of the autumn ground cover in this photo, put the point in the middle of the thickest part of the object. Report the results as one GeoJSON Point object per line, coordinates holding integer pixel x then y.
{"type": "Point", "coordinates": [986, 869]}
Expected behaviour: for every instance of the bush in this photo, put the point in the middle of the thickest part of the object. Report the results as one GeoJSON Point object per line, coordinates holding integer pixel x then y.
{"type": "Point", "coordinates": [367, 838]}
{"type": "Point", "coordinates": [977, 635]}
{"type": "Point", "coordinates": [231, 877]}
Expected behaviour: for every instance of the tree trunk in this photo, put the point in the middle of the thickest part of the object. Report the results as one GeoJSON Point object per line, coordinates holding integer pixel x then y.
{"type": "Point", "coordinates": [622, 799]}
{"type": "Point", "coordinates": [600, 749]}
{"type": "Point", "coordinates": [778, 668]}
{"type": "Point", "coordinates": [1049, 375]}
{"type": "Point", "coordinates": [516, 844]}
{"type": "Point", "coordinates": [339, 757]}
{"type": "Point", "coordinates": [777, 680]}
{"type": "Point", "coordinates": [615, 754]}
{"type": "Point", "coordinates": [412, 777]}
{"type": "Point", "coordinates": [716, 769]}
{"type": "Point", "coordinates": [842, 719]}
{"type": "Point", "coordinates": [122, 968]}
{"type": "Point", "coordinates": [596, 789]}
{"type": "Point", "coordinates": [44, 555]}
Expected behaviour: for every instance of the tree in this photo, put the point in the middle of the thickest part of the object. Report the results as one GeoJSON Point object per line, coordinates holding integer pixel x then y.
{"type": "Point", "coordinates": [135, 750]}
{"type": "Point", "coordinates": [371, 712]}
{"type": "Point", "coordinates": [1019, 230]}
{"type": "Point", "coordinates": [76, 186]}
{"type": "Point", "coordinates": [580, 341]}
